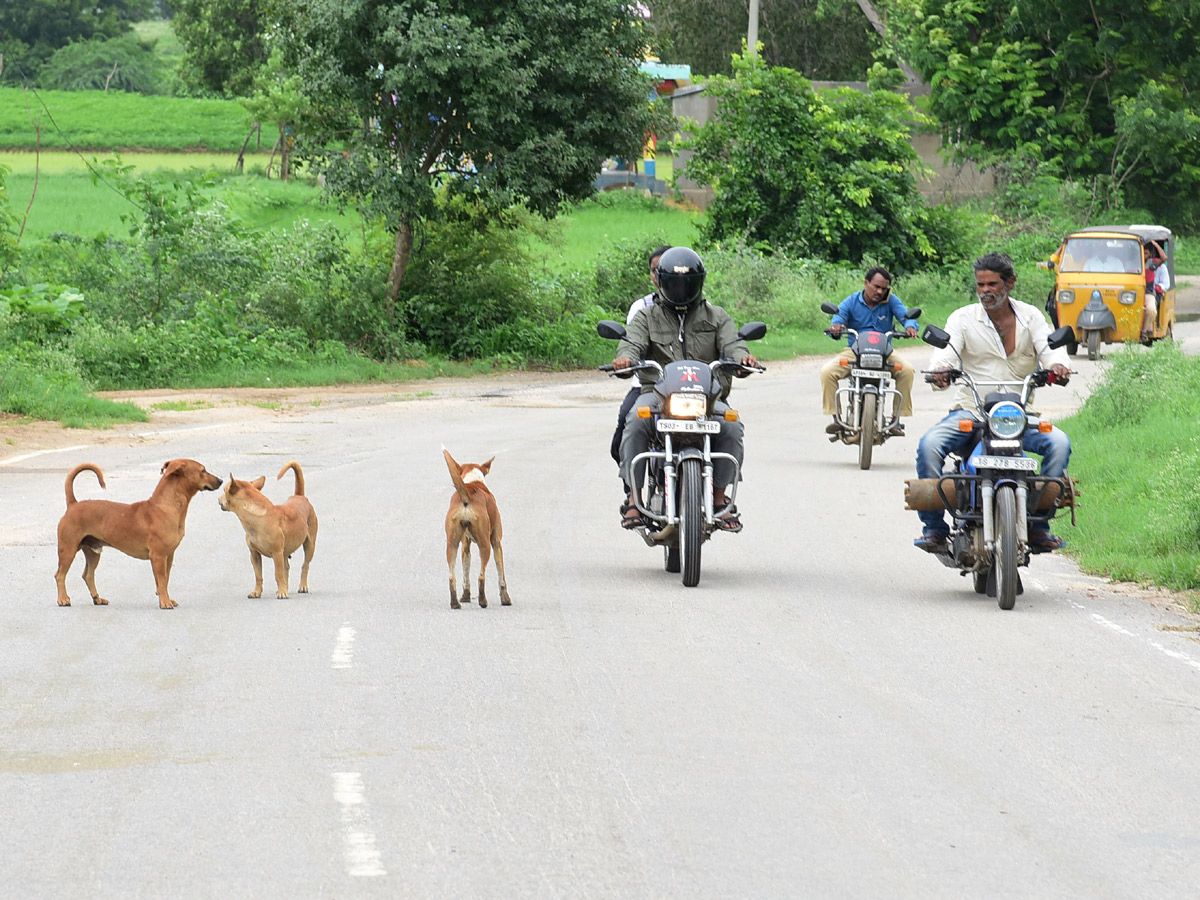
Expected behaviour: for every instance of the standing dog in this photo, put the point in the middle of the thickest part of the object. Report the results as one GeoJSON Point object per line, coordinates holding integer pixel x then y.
{"type": "Point", "coordinates": [473, 517]}
{"type": "Point", "coordinates": [274, 531]}
{"type": "Point", "coordinates": [149, 529]}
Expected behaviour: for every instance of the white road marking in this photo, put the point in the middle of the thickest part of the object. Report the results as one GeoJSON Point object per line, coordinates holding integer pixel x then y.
{"type": "Point", "coordinates": [1113, 626]}
{"type": "Point", "coordinates": [25, 456]}
{"type": "Point", "coordinates": [343, 651]}
{"type": "Point", "coordinates": [358, 841]}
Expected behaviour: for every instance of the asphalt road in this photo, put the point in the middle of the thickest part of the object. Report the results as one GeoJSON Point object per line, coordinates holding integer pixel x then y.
{"type": "Point", "coordinates": [830, 713]}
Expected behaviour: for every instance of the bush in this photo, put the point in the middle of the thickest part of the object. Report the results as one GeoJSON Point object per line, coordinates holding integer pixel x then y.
{"type": "Point", "coordinates": [119, 64]}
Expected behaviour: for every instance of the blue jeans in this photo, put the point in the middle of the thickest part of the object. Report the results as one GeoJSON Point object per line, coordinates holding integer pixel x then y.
{"type": "Point", "coordinates": [1054, 447]}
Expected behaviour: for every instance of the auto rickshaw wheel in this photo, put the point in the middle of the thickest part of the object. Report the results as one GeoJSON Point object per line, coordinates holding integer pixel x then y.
{"type": "Point", "coordinates": [1093, 345]}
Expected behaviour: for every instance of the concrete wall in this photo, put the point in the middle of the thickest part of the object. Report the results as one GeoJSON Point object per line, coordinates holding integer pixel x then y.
{"type": "Point", "coordinates": [944, 181]}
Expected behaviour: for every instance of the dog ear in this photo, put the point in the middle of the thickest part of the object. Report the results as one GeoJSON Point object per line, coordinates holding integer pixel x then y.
{"type": "Point", "coordinates": [258, 482]}
{"type": "Point", "coordinates": [233, 485]}
{"type": "Point", "coordinates": [487, 466]}
{"type": "Point", "coordinates": [171, 466]}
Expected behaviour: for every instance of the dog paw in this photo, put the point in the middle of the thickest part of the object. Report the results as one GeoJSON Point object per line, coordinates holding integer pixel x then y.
{"type": "Point", "coordinates": [281, 595]}
{"type": "Point", "coordinates": [454, 604]}
{"type": "Point", "coordinates": [303, 589]}
{"type": "Point", "coordinates": [254, 595]}
{"type": "Point", "coordinates": [482, 602]}
{"type": "Point", "coordinates": [64, 601]}
{"type": "Point", "coordinates": [99, 601]}
{"type": "Point", "coordinates": [167, 604]}
{"type": "Point", "coordinates": [505, 600]}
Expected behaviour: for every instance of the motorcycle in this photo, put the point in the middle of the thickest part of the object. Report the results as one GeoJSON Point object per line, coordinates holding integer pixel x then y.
{"type": "Point", "coordinates": [678, 490]}
{"type": "Point", "coordinates": [864, 398]}
{"type": "Point", "coordinates": [993, 490]}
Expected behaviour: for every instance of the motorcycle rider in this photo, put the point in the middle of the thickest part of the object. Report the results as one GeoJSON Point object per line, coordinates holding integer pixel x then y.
{"type": "Point", "coordinates": [871, 309]}
{"type": "Point", "coordinates": [680, 325]}
{"type": "Point", "coordinates": [631, 397]}
{"type": "Point", "coordinates": [999, 339]}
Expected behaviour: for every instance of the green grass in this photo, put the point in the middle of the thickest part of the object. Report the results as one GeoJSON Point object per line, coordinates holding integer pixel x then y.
{"type": "Point", "coordinates": [26, 392]}
{"type": "Point", "coordinates": [87, 120]}
{"type": "Point", "coordinates": [1136, 452]}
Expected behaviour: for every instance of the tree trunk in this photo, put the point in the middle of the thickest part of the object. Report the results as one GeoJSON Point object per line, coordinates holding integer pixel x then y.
{"type": "Point", "coordinates": [404, 242]}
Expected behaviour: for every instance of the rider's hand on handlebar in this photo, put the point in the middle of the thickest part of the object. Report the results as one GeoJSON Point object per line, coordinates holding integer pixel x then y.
{"type": "Point", "coordinates": [749, 360]}
{"type": "Point", "coordinates": [910, 331]}
{"type": "Point", "coordinates": [1062, 372]}
{"type": "Point", "coordinates": [836, 329]}
{"type": "Point", "coordinates": [622, 362]}
{"type": "Point", "coordinates": [940, 378]}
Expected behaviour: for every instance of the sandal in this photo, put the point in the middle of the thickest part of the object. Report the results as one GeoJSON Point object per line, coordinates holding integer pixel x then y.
{"type": "Point", "coordinates": [632, 518]}
{"type": "Point", "coordinates": [729, 521]}
{"type": "Point", "coordinates": [932, 541]}
{"type": "Point", "coordinates": [1045, 542]}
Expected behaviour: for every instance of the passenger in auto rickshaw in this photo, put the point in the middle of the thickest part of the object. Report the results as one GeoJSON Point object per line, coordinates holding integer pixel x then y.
{"type": "Point", "coordinates": [1158, 282]}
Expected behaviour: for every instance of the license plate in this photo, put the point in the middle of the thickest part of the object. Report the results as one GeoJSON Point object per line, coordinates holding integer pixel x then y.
{"type": "Point", "coordinates": [869, 373]}
{"type": "Point", "coordinates": [1009, 463]}
{"type": "Point", "coordinates": [689, 426]}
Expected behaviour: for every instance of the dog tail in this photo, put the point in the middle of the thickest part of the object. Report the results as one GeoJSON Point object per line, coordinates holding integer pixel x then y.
{"type": "Point", "coordinates": [71, 501]}
{"type": "Point", "coordinates": [295, 467]}
{"type": "Point", "coordinates": [456, 477]}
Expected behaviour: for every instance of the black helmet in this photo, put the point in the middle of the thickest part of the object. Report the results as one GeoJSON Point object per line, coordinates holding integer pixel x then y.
{"type": "Point", "coordinates": [680, 278]}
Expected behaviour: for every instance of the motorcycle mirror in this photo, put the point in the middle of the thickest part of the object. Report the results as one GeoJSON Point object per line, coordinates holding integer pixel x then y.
{"type": "Point", "coordinates": [613, 331]}
{"type": "Point", "coordinates": [915, 313]}
{"type": "Point", "coordinates": [1061, 337]}
{"type": "Point", "coordinates": [935, 336]}
{"type": "Point", "coordinates": [753, 331]}
{"type": "Point", "coordinates": [829, 309]}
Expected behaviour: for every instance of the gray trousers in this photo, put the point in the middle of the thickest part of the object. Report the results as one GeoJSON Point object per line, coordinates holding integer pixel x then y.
{"type": "Point", "coordinates": [638, 433]}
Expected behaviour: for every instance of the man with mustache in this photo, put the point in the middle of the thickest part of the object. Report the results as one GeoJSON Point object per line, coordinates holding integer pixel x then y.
{"type": "Point", "coordinates": [1000, 339]}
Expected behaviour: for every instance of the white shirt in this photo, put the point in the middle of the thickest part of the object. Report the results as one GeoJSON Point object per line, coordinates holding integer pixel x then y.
{"type": "Point", "coordinates": [1162, 278]}
{"type": "Point", "coordinates": [638, 305]}
{"type": "Point", "coordinates": [979, 344]}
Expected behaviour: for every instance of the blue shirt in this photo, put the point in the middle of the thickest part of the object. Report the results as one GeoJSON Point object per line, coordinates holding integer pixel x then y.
{"type": "Point", "coordinates": [853, 312]}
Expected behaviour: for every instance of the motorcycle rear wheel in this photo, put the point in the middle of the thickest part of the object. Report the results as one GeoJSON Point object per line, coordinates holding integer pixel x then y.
{"type": "Point", "coordinates": [691, 519]}
{"type": "Point", "coordinates": [866, 436]}
{"type": "Point", "coordinates": [1005, 556]}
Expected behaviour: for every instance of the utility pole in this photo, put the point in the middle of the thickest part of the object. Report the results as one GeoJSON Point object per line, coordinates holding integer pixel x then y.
{"type": "Point", "coordinates": [752, 32]}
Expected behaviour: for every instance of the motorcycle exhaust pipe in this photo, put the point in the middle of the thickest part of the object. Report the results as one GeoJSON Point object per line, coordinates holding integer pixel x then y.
{"type": "Point", "coordinates": [921, 494]}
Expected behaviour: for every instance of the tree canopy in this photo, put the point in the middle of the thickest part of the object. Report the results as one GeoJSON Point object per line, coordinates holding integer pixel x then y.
{"type": "Point", "coordinates": [829, 175]}
{"type": "Point", "coordinates": [512, 101]}
{"type": "Point", "coordinates": [1109, 89]}
{"type": "Point", "coordinates": [31, 30]}
{"type": "Point", "coordinates": [823, 39]}
{"type": "Point", "coordinates": [224, 43]}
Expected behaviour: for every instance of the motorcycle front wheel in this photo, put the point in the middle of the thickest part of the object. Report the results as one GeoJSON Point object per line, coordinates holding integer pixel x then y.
{"type": "Point", "coordinates": [691, 519]}
{"type": "Point", "coordinates": [1005, 555]}
{"type": "Point", "coordinates": [866, 435]}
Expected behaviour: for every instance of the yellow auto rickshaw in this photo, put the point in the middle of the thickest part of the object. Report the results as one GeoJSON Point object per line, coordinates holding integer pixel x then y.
{"type": "Point", "coordinates": [1108, 287]}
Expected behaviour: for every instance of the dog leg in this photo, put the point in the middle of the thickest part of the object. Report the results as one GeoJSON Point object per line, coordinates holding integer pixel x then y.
{"type": "Point", "coordinates": [91, 558]}
{"type": "Point", "coordinates": [485, 553]}
{"type": "Point", "coordinates": [281, 576]}
{"type": "Point", "coordinates": [450, 563]}
{"type": "Point", "coordinates": [60, 577]}
{"type": "Point", "coordinates": [310, 546]}
{"type": "Point", "coordinates": [466, 567]}
{"type": "Point", "coordinates": [256, 562]}
{"type": "Point", "coordinates": [161, 565]}
{"type": "Point", "coordinates": [505, 600]}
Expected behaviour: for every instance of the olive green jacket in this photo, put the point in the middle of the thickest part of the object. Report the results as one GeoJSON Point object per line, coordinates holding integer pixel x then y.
{"type": "Point", "coordinates": [656, 333]}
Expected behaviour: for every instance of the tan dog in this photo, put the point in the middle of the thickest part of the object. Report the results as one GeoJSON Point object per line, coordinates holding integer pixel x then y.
{"type": "Point", "coordinates": [149, 529]}
{"type": "Point", "coordinates": [274, 531]}
{"type": "Point", "coordinates": [473, 516]}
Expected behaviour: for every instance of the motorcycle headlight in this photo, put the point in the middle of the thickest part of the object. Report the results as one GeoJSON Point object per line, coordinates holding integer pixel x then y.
{"type": "Point", "coordinates": [869, 360]}
{"type": "Point", "coordinates": [686, 406]}
{"type": "Point", "coordinates": [1066, 296]}
{"type": "Point", "coordinates": [1006, 420]}
{"type": "Point", "coordinates": [1127, 298]}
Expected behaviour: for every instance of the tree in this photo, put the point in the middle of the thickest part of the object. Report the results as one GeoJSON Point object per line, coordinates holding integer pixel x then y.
{"type": "Point", "coordinates": [828, 39]}
{"type": "Point", "coordinates": [1074, 81]}
{"type": "Point", "coordinates": [827, 175]}
{"type": "Point", "coordinates": [31, 30]}
{"type": "Point", "coordinates": [224, 43]}
{"type": "Point", "coordinates": [512, 101]}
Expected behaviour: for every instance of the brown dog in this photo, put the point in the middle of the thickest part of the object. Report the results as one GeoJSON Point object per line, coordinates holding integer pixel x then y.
{"type": "Point", "coordinates": [274, 531]}
{"type": "Point", "coordinates": [149, 529]}
{"type": "Point", "coordinates": [473, 517]}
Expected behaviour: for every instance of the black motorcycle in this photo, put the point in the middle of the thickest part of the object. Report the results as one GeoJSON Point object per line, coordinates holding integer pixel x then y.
{"type": "Point", "coordinates": [864, 401]}
{"type": "Point", "coordinates": [993, 490]}
{"type": "Point", "coordinates": [677, 494]}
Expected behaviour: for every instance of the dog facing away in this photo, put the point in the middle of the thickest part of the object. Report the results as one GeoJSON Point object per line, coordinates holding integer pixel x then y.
{"type": "Point", "coordinates": [274, 531]}
{"type": "Point", "coordinates": [149, 529]}
{"type": "Point", "coordinates": [473, 517]}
